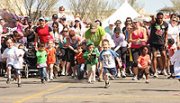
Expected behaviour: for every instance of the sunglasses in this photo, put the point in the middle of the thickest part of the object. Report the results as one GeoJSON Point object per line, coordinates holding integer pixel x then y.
{"type": "Point", "coordinates": [159, 18]}
{"type": "Point", "coordinates": [175, 20]}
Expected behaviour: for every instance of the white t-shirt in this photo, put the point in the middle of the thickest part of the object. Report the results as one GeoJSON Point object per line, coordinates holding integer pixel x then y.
{"type": "Point", "coordinates": [107, 57]}
{"type": "Point", "coordinates": [173, 32]}
{"type": "Point", "coordinates": [13, 56]}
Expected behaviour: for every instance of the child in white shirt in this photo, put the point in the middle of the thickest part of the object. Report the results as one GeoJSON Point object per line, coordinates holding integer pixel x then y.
{"type": "Point", "coordinates": [13, 57]}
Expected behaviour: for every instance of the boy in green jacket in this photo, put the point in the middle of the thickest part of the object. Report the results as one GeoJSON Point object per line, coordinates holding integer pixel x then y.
{"type": "Point", "coordinates": [91, 57]}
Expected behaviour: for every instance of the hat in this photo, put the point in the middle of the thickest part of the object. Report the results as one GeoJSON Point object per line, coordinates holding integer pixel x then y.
{"type": "Point", "coordinates": [111, 22]}
{"type": "Point", "coordinates": [93, 26]}
{"type": "Point", "coordinates": [136, 20]}
{"type": "Point", "coordinates": [42, 18]}
{"type": "Point", "coordinates": [77, 19]}
{"type": "Point", "coordinates": [55, 16]}
{"type": "Point", "coordinates": [147, 19]}
{"type": "Point", "coordinates": [89, 43]}
{"type": "Point", "coordinates": [47, 19]}
{"type": "Point", "coordinates": [29, 20]}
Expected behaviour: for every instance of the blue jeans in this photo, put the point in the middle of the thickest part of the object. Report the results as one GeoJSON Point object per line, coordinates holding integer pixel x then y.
{"type": "Point", "coordinates": [42, 73]}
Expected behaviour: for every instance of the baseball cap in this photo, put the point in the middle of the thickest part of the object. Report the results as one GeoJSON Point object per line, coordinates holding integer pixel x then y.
{"type": "Point", "coordinates": [89, 43]}
{"type": "Point", "coordinates": [77, 20]}
{"type": "Point", "coordinates": [42, 18]}
{"type": "Point", "coordinates": [93, 27]}
{"type": "Point", "coordinates": [55, 16]}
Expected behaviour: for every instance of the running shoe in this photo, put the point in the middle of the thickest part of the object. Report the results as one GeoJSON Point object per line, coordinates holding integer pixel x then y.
{"type": "Point", "coordinates": [147, 81]}
{"type": "Point", "coordinates": [107, 85]}
{"type": "Point", "coordinates": [8, 81]}
{"type": "Point", "coordinates": [19, 85]}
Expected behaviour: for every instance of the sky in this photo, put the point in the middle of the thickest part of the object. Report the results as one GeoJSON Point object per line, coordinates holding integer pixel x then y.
{"type": "Point", "coordinates": [150, 6]}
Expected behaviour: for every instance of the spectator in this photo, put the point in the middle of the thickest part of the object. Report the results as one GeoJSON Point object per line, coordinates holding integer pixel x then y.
{"type": "Point", "coordinates": [43, 32]}
{"type": "Point", "coordinates": [158, 41]}
{"type": "Point", "coordinates": [137, 38]}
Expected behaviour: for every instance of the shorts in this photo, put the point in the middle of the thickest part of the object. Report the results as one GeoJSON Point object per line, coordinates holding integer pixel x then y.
{"type": "Point", "coordinates": [112, 71]}
{"type": "Point", "coordinates": [155, 47]}
{"type": "Point", "coordinates": [91, 67]}
{"type": "Point", "coordinates": [135, 56]}
{"type": "Point", "coordinates": [14, 70]}
{"type": "Point", "coordinates": [70, 56]}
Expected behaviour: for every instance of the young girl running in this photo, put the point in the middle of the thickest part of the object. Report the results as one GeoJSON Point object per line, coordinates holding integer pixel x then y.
{"type": "Point", "coordinates": [51, 59]}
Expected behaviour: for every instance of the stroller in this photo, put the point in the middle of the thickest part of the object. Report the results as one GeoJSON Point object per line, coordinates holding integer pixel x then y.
{"type": "Point", "coordinates": [30, 60]}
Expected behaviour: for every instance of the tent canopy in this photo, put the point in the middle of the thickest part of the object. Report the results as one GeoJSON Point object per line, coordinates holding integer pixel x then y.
{"type": "Point", "coordinates": [122, 13]}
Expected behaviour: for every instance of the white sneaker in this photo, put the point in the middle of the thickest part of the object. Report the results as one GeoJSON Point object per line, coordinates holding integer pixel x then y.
{"type": "Point", "coordinates": [119, 74]}
{"type": "Point", "coordinates": [134, 78]}
{"type": "Point", "coordinates": [155, 75]}
{"type": "Point", "coordinates": [123, 74]}
{"type": "Point", "coordinates": [63, 74]}
{"type": "Point", "coordinates": [147, 81]}
{"type": "Point", "coordinates": [164, 72]}
{"type": "Point", "coordinates": [144, 77]}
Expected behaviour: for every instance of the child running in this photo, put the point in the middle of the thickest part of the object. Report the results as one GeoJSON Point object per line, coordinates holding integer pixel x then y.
{"type": "Point", "coordinates": [41, 62]}
{"type": "Point", "coordinates": [13, 57]}
{"type": "Point", "coordinates": [144, 63]}
{"type": "Point", "coordinates": [175, 60]}
{"type": "Point", "coordinates": [51, 59]}
{"type": "Point", "coordinates": [91, 57]}
{"type": "Point", "coordinates": [80, 62]}
{"type": "Point", "coordinates": [107, 59]}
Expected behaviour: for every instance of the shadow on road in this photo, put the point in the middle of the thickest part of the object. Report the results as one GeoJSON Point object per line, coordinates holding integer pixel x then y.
{"type": "Point", "coordinates": [127, 82]}
{"type": "Point", "coordinates": [156, 90]}
{"type": "Point", "coordinates": [88, 87]}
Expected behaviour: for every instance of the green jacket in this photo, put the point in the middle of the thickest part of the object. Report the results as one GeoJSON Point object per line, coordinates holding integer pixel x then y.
{"type": "Point", "coordinates": [91, 58]}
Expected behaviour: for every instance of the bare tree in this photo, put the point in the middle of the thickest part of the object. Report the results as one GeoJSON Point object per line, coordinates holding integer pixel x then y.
{"type": "Point", "coordinates": [80, 7]}
{"type": "Point", "coordinates": [176, 5]}
{"type": "Point", "coordinates": [91, 9]}
{"type": "Point", "coordinates": [31, 8]}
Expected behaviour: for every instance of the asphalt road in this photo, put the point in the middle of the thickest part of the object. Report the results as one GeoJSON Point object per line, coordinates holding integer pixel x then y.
{"type": "Point", "coordinates": [68, 90]}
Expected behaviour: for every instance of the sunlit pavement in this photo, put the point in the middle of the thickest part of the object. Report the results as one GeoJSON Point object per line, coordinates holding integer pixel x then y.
{"type": "Point", "coordinates": [67, 90]}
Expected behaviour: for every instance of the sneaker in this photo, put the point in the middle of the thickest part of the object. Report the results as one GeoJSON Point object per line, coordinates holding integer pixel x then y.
{"type": "Point", "coordinates": [155, 75]}
{"type": "Point", "coordinates": [123, 74]}
{"type": "Point", "coordinates": [107, 85]}
{"type": "Point", "coordinates": [42, 81]}
{"type": "Point", "coordinates": [164, 72]}
{"type": "Point", "coordinates": [111, 77]}
{"type": "Point", "coordinates": [100, 80]}
{"type": "Point", "coordinates": [19, 85]}
{"type": "Point", "coordinates": [134, 78]}
{"type": "Point", "coordinates": [90, 82]}
{"type": "Point", "coordinates": [8, 81]}
{"type": "Point", "coordinates": [144, 77]}
{"type": "Point", "coordinates": [147, 81]}
{"type": "Point", "coordinates": [118, 75]}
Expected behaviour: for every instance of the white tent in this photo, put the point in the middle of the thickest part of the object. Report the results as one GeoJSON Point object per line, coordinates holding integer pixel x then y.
{"type": "Point", "coordinates": [122, 13]}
